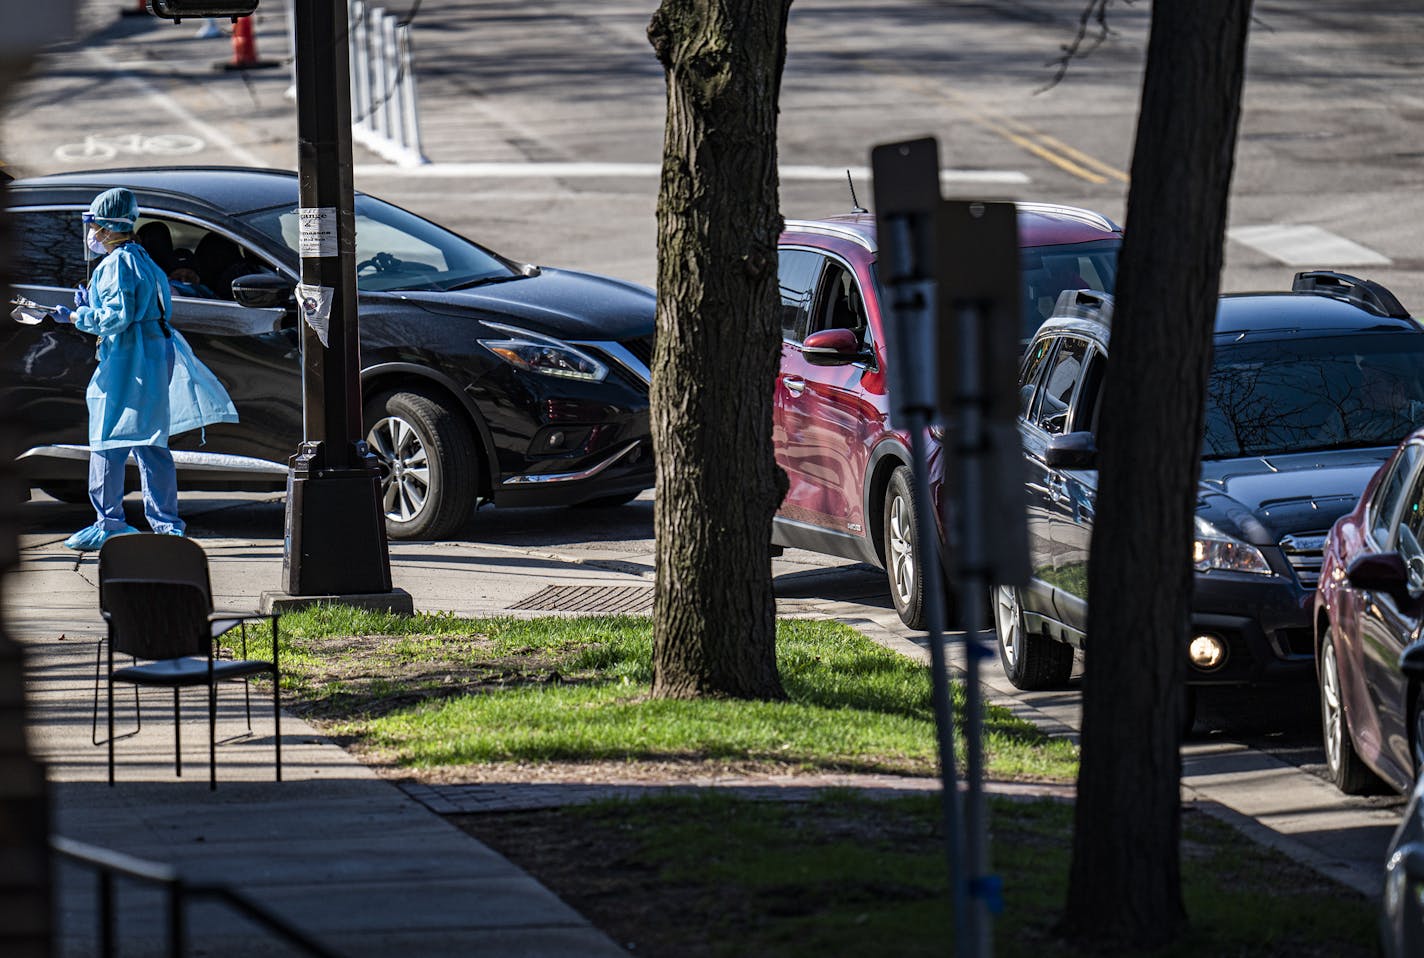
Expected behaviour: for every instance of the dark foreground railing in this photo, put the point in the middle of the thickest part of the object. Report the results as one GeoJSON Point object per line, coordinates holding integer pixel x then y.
{"type": "Point", "coordinates": [109, 864]}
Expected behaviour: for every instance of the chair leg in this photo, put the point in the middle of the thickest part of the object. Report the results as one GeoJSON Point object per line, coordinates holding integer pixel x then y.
{"type": "Point", "coordinates": [177, 742]}
{"type": "Point", "coordinates": [111, 732]}
{"type": "Point", "coordinates": [212, 736]}
{"type": "Point", "coordinates": [98, 660]}
{"type": "Point", "coordinates": [277, 717]}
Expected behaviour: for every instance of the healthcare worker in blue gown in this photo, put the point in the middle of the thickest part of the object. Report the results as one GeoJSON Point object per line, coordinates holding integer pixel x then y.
{"type": "Point", "coordinates": [148, 385]}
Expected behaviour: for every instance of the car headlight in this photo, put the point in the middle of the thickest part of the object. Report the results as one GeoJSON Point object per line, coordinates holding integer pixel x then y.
{"type": "Point", "coordinates": [544, 355]}
{"type": "Point", "coordinates": [1214, 549]}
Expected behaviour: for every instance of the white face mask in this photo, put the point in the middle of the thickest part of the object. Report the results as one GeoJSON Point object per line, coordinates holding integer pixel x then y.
{"type": "Point", "coordinates": [92, 239]}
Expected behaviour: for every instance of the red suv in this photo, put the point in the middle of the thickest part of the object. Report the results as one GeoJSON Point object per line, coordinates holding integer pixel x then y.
{"type": "Point", "coordinates": [848, 464]}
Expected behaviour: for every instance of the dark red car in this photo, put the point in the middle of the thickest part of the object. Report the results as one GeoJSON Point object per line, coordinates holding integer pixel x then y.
{"type": "Point", "coordinates": [1367, 611]}
{"type": "Point", "coordinates": [848, 464]}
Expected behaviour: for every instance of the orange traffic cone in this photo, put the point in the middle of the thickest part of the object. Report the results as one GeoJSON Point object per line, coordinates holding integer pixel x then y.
{"type": "Point", "coordinates": [244, 48]}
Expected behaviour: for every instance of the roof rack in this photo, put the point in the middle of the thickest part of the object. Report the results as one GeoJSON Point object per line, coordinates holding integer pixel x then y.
{"type": "Point", "coordinates": [1083, 304]}
{"type": "Point", "coordinates": [1086, 217]}
{"type": "Point", "coordinates": [1364, 292]}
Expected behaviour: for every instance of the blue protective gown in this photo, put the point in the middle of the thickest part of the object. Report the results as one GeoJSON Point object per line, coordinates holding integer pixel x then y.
{"type": "Point", "coordinates": [132, 399]}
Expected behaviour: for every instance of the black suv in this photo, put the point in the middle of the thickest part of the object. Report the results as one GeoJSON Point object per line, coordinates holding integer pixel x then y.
{"type": "Point", "coordinates": [484, 380]}
{"type": "Point", "coordinates": [1309, 392]}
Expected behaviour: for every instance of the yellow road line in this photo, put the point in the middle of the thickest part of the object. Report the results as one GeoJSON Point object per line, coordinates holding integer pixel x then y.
{"type": "Point", "coordinates": [1053, 142]}
{"type": "Point", "coordinates": [1047, 148]}
{"type": "Point", "coordinates": [1042, 152]}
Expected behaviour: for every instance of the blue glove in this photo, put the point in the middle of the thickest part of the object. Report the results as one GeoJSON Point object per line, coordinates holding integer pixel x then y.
{"type": "Point", "coordinates": [81, 297]}
{"type": "Point", "coordinates": [63, 314]}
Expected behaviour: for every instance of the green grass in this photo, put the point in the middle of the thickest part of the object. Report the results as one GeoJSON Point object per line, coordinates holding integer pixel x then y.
{"type": "Point", "coordinates": [436, 690]}
{"type": "Point", "coordinates": [849, 876]}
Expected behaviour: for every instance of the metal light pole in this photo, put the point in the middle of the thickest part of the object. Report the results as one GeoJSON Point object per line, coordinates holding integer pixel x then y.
{"type": "Point", "coordinates": [335, 531]}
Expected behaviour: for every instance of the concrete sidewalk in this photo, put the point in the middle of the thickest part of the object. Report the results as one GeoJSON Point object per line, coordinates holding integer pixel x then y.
{"type": "Point", "coordinates": [345, 856]}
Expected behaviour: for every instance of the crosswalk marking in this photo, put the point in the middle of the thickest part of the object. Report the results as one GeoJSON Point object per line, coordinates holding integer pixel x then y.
{"type": "Point", "coordinates": [1305, 246]}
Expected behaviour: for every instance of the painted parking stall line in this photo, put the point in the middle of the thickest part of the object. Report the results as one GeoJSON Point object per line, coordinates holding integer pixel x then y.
{"type": "Point", "coordinates": [1298, 245]}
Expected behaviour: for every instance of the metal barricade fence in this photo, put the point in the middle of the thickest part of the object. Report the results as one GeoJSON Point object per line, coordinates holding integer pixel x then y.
{"type": "Point", "coordinates": [385, 111]}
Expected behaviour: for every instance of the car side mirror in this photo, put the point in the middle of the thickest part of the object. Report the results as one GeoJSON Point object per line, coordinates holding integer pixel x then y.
{"type": "Point", "coordinates": [834, 347]}
{"type": "Point", "coordinates": [1383, 572]}
{"type": "Point", "coordinates": [262, 290]}
{"type": "Point", "coordinates": [1073, 450]}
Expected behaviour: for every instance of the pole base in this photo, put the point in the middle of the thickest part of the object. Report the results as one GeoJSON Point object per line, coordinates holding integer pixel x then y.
{"type": "Point", "coordinates": [397, 601]}
{"type": "Point", "coordinates": [336, 531]}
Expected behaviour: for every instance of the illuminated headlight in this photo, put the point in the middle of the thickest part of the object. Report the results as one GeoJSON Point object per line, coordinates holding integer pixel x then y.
{"type": "Point", "coordinates": [544, 355]}
{"type": "Point", "coordinates": [1207, 652]}
{"type": "Point", "coordinates": [1214, 549]}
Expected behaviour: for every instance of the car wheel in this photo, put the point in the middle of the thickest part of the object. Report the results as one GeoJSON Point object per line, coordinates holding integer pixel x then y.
{"type": "Point", "coordinates": [902, 558]}
{"type": "Point", "coordinates": [427, 459]}
{"type": "Point", "coordinates": [74, 492]}
{"type": "Point", "coordinates": [1347, 771]}
{"type": "Point", "coordinates": [1030, 660]}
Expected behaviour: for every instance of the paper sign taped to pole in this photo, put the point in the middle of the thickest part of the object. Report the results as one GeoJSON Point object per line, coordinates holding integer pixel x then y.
{"type": "Point", "coordinates": [315, 302]}
{"type": "Point", "coordinates": [316, 231]}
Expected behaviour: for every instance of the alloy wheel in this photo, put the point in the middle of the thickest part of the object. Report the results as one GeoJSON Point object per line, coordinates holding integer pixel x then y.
{"type": "Point", "coordinates": [405, 467]}
{"type": "Point", "coordinates": [1331, 709]}
{"type": "Point", "coordinates": [901, 539]}
{"type": "Point", "coordinates": [1008, 620]}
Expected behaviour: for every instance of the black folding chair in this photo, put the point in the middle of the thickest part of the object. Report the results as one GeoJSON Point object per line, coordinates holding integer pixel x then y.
{"type": "Point", "coordinates": [155, 595]}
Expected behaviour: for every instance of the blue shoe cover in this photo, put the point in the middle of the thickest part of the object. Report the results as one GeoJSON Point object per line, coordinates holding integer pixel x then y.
{"type": "Point", "coordinates": [92, 538]}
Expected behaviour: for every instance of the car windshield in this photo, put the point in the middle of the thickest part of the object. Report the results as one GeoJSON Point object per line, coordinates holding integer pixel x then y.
{"type": "Point", "coordinates": [1046, 271]}
{"type": "Point", "coordinates": [399, 250]}
{"type": "Point", "coordinates": [1299, 395]}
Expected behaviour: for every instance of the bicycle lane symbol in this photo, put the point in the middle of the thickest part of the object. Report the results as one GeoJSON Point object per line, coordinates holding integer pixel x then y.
{"type": "Point", "coordinates": [98, 148]}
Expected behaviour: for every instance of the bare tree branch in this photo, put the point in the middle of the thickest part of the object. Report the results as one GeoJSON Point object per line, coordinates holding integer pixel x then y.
{"type": "Point", "coordinates": [1096, 12]}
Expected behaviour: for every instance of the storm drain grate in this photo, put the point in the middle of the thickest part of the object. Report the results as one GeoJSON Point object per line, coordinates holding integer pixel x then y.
{"type": "Point", "coordinates": [600, 599]}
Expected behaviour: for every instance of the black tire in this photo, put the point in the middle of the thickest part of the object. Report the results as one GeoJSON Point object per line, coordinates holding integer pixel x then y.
{"type": "Point", "coordinates": [1030, 660]}
{"type": "Point", "coordinates": [406, 429]}
{"type": "Point", "coordinates": [608, 502]}
{"type": "Point", "coordinates": [1347, 770]}
{"type": "Point", "coordinates": [902, 550]}
{"type": "Point", "coordinates": [72, 491]}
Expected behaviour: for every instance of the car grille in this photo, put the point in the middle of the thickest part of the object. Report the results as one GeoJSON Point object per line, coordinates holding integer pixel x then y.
{"type": "Point", "coordinates": [1305, 552]}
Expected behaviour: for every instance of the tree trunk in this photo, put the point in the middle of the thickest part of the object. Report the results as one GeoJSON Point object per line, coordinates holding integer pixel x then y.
{"type": "Point", "coordinates": [1125, 883]}
{"type": "Point", "coordinates": [718, 346]}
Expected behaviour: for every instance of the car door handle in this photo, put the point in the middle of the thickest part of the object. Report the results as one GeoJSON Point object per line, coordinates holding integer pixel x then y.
{"type": "Point", "coordinates": [795, 385]}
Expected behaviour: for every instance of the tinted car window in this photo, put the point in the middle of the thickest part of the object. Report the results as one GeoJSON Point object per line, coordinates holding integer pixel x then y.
{"type": "Point", "coordinates": [1028, 378]}
{"type": "Point", "coordinates": [396, 249]}
{"type": "Point", "coordinates": [797, 272]}
{"type": "Point", "coordinates": [53, 251]}
{"type": "Point", "coordinates": [1085, 408]}
{"type": "Point", "coordinates": [1387, 496]}
{"type": "Point", "coordinates": [1057, 390]}
{"type": "Point", "coordinates": [839, 305]}
{"type": "Point", "coordinates": [1330, 392]}
{"type": "Point", "coordinates": [1410, 542]}
{"type": "Point", "coordinates": [1046, 271]}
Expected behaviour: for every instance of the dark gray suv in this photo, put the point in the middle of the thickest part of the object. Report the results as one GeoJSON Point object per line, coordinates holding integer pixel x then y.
{"type": "Point", "coordinates": [1309, 392]}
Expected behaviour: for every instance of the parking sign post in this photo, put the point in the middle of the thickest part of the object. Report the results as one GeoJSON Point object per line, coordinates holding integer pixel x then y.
{"type": "Point", "coordinates": [907, 199]}
{"type": "Point", "coordinates": [979, 310]}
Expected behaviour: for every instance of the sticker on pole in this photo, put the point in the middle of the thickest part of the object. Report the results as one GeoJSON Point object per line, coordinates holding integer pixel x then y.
{"type": "Point", "coordinates": [316, 309]}
{"type": "Point", "coordinates": [316, 231]}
